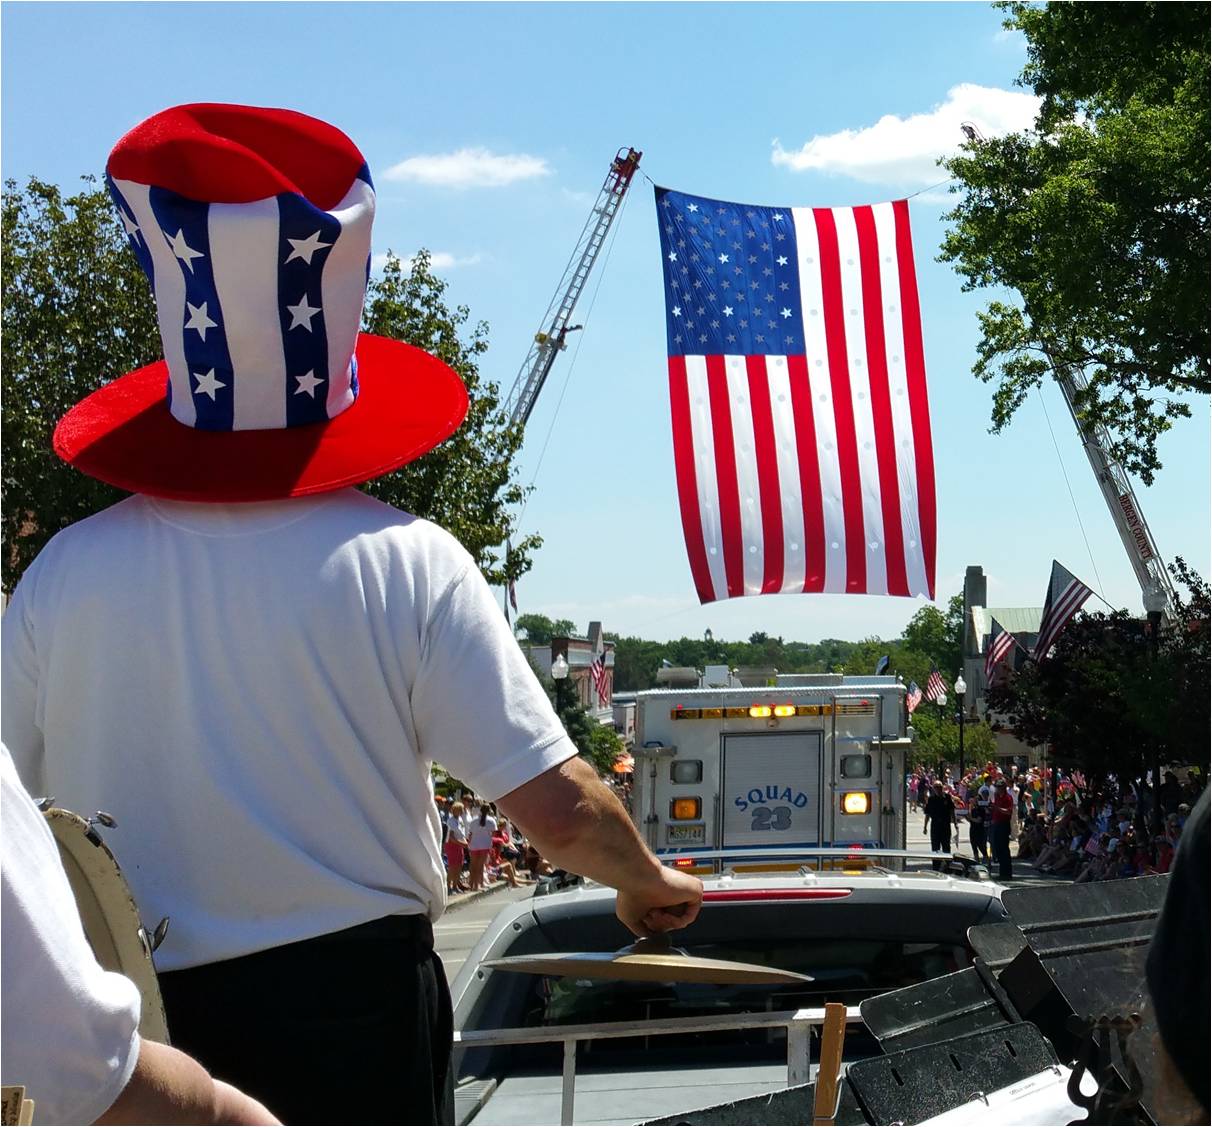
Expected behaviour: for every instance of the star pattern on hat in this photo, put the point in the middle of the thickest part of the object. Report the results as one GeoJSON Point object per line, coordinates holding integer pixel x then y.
{"type": "Point", "coordinates": [132, 228]}
{"type": "Point", "coordinates": [305, 248]}
{"type": "Point", "coordinates": [302, 313]}
{"type": "Point", "coordinates": [182, 249]}
{"type": "Point", "coordinates": [207, 384]}
{"type": "Point", "coordinates": [198, 319]}
{"type": "Point", "coordinates": [308, 383]}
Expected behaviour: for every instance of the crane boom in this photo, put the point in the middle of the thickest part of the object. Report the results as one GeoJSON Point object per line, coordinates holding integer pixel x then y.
{"type": "Point", "coordinates": [549, 340]}
{"type": "Point", "coordinates": [1118, 493]}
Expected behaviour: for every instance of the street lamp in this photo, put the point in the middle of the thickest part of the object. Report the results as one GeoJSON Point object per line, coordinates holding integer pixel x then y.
{"type": "Point", "coordinates": [1155, 600]}
{"type": "Point", "coordinates": [960, 689]}
{"type": "Point", "coordinates": [559, 674]}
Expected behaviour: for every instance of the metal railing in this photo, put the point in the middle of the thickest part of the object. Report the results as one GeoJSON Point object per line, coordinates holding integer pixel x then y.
{"type": "Point", "coordinates": [798, 1024]}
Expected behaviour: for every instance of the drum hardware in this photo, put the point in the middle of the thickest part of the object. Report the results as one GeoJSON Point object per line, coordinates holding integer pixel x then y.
{"type": "Point", "coordinates": [1106, 1104]}
{"type": "Point", "coordinates": [159, 934]}
{"type": "Point", "coordinates": [45, 803]}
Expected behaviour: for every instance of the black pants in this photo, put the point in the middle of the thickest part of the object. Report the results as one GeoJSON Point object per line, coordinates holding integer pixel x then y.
{"type": "Point", "coordinates": [999, 837]}
{"type": "Point", "coordinates": [980, 841]}
{"type": "Point", "coordinates": [940, 839]}
{"type": "Point", "coordinates": [353, 1027]}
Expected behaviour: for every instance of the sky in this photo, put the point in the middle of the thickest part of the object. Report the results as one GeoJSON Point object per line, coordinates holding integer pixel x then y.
{"type": "Point", "coordinates": [489, 129]}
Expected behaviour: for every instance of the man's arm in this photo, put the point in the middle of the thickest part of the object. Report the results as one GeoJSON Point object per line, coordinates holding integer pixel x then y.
{"type": "Point", "coordinates": [575, 821]}
{"type": "Point", "coordinates": [169, 1087]}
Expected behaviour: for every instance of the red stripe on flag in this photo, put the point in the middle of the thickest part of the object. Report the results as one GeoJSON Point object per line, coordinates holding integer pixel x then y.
{"type": "Point", "coordinates": [768, 474]}
{"type": "Point", "coordinates": [810, 474]}
{"type": "Point", "coordinates": [843, 408]}
{"type": "Point", "coordinates": [881, 401]}
{"type": "Point", "coordinates": [688, 492]}
{"type": "Point", "coordinates": [725, 472]}
{"type": "Point", "coordinates": [919, 402]}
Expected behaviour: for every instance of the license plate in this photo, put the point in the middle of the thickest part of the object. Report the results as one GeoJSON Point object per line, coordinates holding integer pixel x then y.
{"type": "Point", "coordinates": [687, 835]}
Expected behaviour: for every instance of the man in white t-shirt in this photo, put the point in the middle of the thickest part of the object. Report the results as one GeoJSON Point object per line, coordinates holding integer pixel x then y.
{"type": "Point", "coordinates": [70, 1029]}
{"type": "Point", "coordinates": [252, 665]}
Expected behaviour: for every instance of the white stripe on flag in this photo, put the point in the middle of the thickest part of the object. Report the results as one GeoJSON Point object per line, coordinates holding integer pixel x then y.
{"type": "Point", "coordinates": [170, 298]}
{"type": "Point", "coordinates": [748, 487]}
{"type": "Point", "coordinates": [898, 388]}
{"type": "Point", "coordinates": [705, 471]}
{"type": "Point", "coordinates": [812, 303]}
{"type": "Point", "coordinates": [860, 397]}
{"type": "Point", "coordinates": [244, 244]}
{"type": "Point", "coordinates": [342, 288]}
{"type": "Point", "coordinates": [790, 486]}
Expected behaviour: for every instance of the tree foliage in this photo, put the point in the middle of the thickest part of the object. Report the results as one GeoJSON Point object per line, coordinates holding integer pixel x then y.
{"type": "Point", "coordinates": [1097, 219]}
{"type": "Point", "coordinates": [540, 629]}
{"type": "Point", "coordinates": [468, 483]}
{"type": "Point", "coordinates": [1105, 701]}
{"type": "Point", "coordinates": [78, 311]}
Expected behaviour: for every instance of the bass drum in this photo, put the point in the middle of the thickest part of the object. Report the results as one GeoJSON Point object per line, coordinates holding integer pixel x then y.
{"type": "Point", "coordinates": [107, 909]}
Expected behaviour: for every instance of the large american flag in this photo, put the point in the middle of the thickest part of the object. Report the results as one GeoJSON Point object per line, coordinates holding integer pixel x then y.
{"type": "Point", "coordinates": [801, 425]}
{"type": "Point", "coordinates": [601, 682]}
{"type": "Point", "coordinates": [1066, 594]}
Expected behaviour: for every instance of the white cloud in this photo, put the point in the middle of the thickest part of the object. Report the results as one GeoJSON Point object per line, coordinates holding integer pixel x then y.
{"type": "Point", "coordinates": [468, 168]}
{"type": "Point", "coordinates": [438, 260]}
{"type": "Point", "coordinates": [904, 150]}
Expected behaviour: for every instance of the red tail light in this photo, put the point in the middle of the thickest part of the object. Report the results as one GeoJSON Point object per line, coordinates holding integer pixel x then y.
{"type": "Point", "coordinates": [735, 895]}
{"type": "Point", "coordinates": [684, 863]}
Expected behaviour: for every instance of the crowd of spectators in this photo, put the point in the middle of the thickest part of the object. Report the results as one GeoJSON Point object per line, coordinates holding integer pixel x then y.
{"type": "Point", "coordinates": [1086, 829]}
{"type": "Point", "coordinates": [480, 849]}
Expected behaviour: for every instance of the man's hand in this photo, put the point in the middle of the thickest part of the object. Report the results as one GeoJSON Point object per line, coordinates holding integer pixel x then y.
{"type": "Point", "coordinates": [669, 902]}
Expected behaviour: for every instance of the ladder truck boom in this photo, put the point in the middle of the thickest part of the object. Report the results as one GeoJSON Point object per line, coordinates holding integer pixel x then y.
{"type": "Point", "coordinates": [550, 339]}
{"type": "Point", "coordinates": [1117, 491]}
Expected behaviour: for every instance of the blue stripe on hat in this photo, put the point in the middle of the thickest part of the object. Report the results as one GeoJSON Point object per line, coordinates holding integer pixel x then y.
{"type": "Point", "coordinates": [184, 225]}
{"type": "Point", "coordinates": [305, 236]}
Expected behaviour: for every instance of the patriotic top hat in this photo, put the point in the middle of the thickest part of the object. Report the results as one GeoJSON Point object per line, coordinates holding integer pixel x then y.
{"type": "Point", "coordinates": [253, 227]}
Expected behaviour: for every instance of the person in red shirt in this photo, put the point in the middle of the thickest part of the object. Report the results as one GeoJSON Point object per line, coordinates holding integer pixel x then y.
{"type": "Point", "coordinates": [1001, 809]}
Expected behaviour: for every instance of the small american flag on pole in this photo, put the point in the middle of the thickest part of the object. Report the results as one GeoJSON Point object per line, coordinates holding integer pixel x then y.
{"type": "Point", "coordinates": [936, 689]}
{"type": "Point", "coordinates": [797, 384]}
{"type": "Point", "coordinates": [597, 673]}
{"type": "Point", "coordinates": [1066, 594]}
{"type": "Point", "coordinates": [913, 697]}
{"type": "Point", "coordinates": [1000, 643]}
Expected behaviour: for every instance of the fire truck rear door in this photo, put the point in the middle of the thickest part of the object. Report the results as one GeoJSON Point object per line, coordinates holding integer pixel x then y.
{"type": "Point", "coordinates": [772, 789]}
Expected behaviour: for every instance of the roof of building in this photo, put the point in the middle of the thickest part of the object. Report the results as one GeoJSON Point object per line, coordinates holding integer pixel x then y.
{"type": "Point", "coordinates": [1018, 620]}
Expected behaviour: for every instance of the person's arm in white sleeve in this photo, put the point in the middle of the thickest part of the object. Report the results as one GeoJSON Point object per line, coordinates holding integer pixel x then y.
{"type": "Point", "coordinates": [70, 1028]}
{"type": "Point", "coordinates": [478, 707]}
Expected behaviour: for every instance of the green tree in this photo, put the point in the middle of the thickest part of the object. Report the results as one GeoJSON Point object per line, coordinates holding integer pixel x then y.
{"type": "Point", "coordinates": [77, 311]}
{"type": "Point", "coordinates": [1107, 701]}
{"type": "Point", "coordinates": [1097, 219]}
{"type": "Point", "coordinates": [938, 635]}
{"type": "Point", "coordinates": [937, 729]}
{"type": "Point", "coordinates": [468, 483]}
{"type": "Point", "coordinates": [538, 628]}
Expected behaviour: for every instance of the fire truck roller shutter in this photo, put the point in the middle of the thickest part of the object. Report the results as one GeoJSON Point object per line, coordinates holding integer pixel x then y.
{"type": "Point", "coordinates": [772, 789]}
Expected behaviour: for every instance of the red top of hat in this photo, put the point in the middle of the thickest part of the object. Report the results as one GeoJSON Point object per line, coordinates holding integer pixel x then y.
{"type": "Point", "coordinates": [237, 154]}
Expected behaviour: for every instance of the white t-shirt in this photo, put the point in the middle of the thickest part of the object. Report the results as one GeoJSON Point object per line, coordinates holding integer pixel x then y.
{"type": "Point", "coordinates": [456, 829]}
{"type": "Point", "coordinates": [256, 693]}
{"type": "Point", "coordinates": [481, 836]}
{"type": "Point", "coordinates": [70, 1029]}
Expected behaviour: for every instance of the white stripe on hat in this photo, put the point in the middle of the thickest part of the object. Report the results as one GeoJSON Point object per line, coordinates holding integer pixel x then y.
{"type": "Point", "coordinates": [344, 288]}
{"type": "Point", "coordinates": [244, 241]}
{"type": "Point", "coordinates": [170, 298]}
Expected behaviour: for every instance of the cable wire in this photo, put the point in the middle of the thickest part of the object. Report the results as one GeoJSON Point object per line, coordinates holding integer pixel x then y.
{"type": "Point", "coordinates": [1076, 511]}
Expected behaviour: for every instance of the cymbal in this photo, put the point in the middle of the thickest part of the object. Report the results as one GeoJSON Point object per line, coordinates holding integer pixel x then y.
{"type": "Point", "coordinates": [646, 961]}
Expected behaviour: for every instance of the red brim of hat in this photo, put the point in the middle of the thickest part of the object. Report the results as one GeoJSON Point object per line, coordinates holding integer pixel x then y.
{"type": "Point", "coordinates": [123, 434]}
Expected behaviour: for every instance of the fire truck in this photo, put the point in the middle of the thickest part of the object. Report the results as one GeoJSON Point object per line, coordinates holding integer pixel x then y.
{"type": "Point", "coordinates": [807, 761]}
